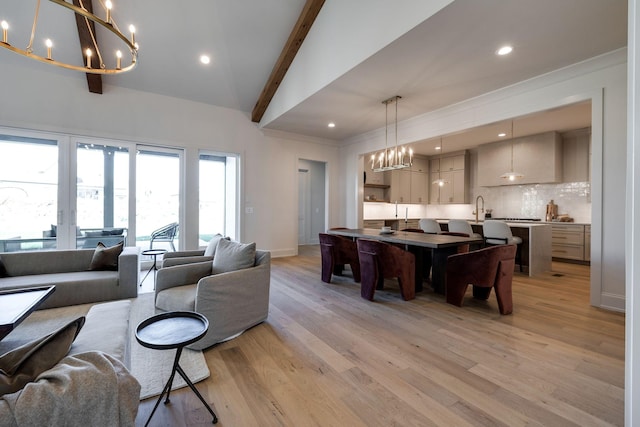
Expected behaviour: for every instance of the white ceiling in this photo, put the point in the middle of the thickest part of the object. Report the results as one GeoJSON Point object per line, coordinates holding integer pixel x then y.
{"type": "Point", "coordinates": [446, 59]}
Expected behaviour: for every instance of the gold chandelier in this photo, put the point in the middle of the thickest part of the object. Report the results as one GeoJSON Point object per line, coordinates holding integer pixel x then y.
{"type": "Point", "coordinates": [392, 157]}
{"type": "Point", "coordinates": [88, 17]}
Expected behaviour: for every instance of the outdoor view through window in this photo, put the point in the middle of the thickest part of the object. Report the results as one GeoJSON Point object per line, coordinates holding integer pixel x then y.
{"type": "Point", "coordinates": [35, 210]}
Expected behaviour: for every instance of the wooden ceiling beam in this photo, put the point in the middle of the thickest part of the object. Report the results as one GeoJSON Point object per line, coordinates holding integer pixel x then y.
{"type": "Point", "coordinates": [297, 36]}
{"type": "Point", "coordinates": [94, 81]}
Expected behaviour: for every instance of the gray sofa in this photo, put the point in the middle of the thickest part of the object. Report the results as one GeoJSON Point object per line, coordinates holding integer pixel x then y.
{"type": "Point", "coordinates": [69, 271]}
{"type": "Point", "coordinates": [93, 369]}
{"type": "Point", "coordinates": [232, 301]}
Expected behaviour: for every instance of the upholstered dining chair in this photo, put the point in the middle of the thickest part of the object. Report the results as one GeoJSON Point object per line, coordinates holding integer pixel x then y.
{"type": "Point", "coordinates": [497, 232]}
{"type": "Point", "coordinates": [486, 268]}
{"type": "Point", "coordinates": [379, 261]}
{"type": "Point", "coordinates": [430, 226]}
{"type": "Point", "coordinates": [462, 226]}
{"type": "Point", "coordinates": [335, 252]}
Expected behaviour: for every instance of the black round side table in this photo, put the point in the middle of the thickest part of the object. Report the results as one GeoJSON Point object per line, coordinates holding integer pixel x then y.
{"type": "Point", "coordinates": [175, 329]}
{"type": "Point", "coordinates": [154, 253]}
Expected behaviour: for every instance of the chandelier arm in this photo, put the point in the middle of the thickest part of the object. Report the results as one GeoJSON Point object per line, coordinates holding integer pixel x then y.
{"type": "Point", "coordinates": [33, 27]}
{"type": "Point", "coordinates": [95, 42]}
{"type": "Point", "coordinates": [99, 21]}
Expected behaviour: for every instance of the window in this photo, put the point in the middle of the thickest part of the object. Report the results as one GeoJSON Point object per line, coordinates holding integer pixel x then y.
{"type": "Point", "coordinates": [157, 193]}
{"type": "Point", "coordinates": [102, 201]}
{"type": "Point", "coordinates": [28, 193]}
{"type": "Point", "coordinates": [218, 195]}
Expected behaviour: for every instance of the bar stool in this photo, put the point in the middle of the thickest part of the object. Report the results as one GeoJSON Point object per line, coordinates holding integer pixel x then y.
{"type": "Point", "coordinates": [430, 226]}
{"type": "Point", "coordinates": [498, 233]}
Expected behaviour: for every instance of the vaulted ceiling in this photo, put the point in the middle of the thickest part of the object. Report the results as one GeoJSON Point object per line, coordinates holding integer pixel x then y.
{"type": "Point", "coordinates": [445, 59]}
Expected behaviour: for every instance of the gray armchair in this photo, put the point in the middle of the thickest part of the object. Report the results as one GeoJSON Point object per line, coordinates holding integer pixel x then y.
{"type": "Point", "coordinates": [170, 259]}
{"type": "Point", "coordinates": [232, 302]}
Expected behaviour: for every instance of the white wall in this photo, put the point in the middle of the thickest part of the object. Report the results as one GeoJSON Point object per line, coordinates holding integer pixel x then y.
{"type": "Point", "coordinates": [39, 99]}
{"type": "Point", "coordinates": [601, 79]}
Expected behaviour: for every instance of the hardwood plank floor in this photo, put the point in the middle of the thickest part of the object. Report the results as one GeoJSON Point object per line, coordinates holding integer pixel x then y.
{"type": "Point", "coordinates": [326, 357]}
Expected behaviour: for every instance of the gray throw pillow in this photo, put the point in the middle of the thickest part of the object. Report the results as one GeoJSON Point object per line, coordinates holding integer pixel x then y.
{"type": "Point", "coordinates": [106, 258]}
{"type": "Point", "coordinates": [232, 256]}
{"type": "Point", "coordinates": [213, 243]}
{"type": "Point", "coordinates": [23, 364]}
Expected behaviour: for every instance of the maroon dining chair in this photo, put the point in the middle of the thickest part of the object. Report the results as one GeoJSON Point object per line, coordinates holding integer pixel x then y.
{"type": "Point", "coordinates": [484, 269]}
{"type": "Point", "coordinates": [379, 261]}
{"type": "Point", "coordinates": [336, 251]}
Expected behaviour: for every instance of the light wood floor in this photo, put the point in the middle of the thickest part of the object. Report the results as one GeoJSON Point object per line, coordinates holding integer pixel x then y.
{"type": "Point", "coordinates": [326, 357]}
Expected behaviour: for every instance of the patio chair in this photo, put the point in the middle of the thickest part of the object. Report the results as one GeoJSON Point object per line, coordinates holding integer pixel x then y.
{"type": "Point", "coordinates": [165, 234]}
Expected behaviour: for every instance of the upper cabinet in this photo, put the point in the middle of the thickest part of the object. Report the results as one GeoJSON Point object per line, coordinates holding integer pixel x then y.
{"type": "Point", "coordinates": [410, 185]}
{"type": "Point", "coordinates": [576, 155]}
{"type": "Point", "coordinates": [537, 157]}
{"type": "Point", "coordinates": [455, 170]}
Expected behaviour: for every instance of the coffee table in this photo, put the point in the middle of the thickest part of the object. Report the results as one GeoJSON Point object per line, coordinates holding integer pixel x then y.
{"type": "Point", "coordinates": [174, 329]}
{"type": "Point", "coordinates": [17, 304]}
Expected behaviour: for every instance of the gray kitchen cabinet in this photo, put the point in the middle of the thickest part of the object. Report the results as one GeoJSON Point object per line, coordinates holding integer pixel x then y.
{"type": "Point", "coordinates": [454, 169]}
{"type": "Point", "coordinates": [576, 157]}
{"type": "Point", "coordinates": [420, 164]}
{"type": "Point", "coordinates": [400, 186]}
{"type": "Point", "coordinates": [419, 188]}
{"type": "Point", "coordinates": [568, 241]}
{"type": "Point", "coordinates": [537, 157]}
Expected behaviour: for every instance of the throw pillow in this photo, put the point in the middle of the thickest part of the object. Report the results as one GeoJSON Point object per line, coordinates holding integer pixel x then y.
{"type": "Point", "coordinates": [23, 364]}
{"type": "Point", "coordinates": [106, 258]}
{"type": "Point", "coordinates": [213, 243]}
{"type": "Point", "coordinates": [231, 256]}
{"type": "Point", "coordinates": [3, 269]}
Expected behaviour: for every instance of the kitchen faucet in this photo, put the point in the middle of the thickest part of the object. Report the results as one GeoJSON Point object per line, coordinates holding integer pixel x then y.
{"type": "Point", "coordinates": [476, 211]}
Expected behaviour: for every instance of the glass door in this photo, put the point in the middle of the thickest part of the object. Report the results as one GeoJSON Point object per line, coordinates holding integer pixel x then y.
{"type": "Point", "coordinates": [28, 193]}
{"type": "Point", "coordinates": [102, 194]}
{"type": "Point", "coordinates": [158, 199]}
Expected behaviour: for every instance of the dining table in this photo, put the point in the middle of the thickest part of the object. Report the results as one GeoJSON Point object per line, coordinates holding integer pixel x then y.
{"type": "Point", "coordinates": [437, 246]}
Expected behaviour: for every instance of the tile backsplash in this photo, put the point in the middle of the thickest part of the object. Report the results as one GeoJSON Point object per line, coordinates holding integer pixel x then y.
{"type": "Point", "coordinates": [513, 201]}
{"type": "Point", "coordinates": [524, 201]}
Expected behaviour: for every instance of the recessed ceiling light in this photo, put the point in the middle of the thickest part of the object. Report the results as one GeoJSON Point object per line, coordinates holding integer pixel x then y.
{"type": "Point", "coordinates": [504, 50]}
{"type": "Point", "coordinates": [205, 59]}
{"type": "Point", "coordinates": [331, 125]}
{"type": "Point", "coordinates": [502, 134]}
{"type": "Point", "coordinates": [438, 147]}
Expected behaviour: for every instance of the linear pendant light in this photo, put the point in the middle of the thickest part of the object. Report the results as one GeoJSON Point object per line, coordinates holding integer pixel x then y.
{"type": "Point", "coordinates": [392, 157]}
{"type": "Point", "coordinates": [511, 175]}
{"type": "Point", "coordinates": [440, 182]}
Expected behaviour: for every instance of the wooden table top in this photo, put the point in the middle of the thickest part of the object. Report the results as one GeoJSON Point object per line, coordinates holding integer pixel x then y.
{"type": "Point", "coordinates": [433, 241]}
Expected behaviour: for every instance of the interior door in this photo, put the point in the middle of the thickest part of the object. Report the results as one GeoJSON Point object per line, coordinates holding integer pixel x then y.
{"type": "Point", "coordinates": [303, 207]}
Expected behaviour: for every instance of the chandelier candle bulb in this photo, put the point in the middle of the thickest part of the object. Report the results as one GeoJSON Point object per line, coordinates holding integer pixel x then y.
{"type": "Point", "coordinates": [5, 28]}
{"type": "Point", "coordinates": [132, 30]}
{"type": "Point", "coordinates": [49, 45]}
{"type": "Point", "coordinates": [88, 53]}
{"type": "Point", "coordinates": [118, 60]}
{"type": "Point", "coordinates": [108, 5]}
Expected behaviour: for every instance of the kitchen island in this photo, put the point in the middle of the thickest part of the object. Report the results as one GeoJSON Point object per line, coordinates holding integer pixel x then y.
{"type": "Point", "coordinates": [536, 243]}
